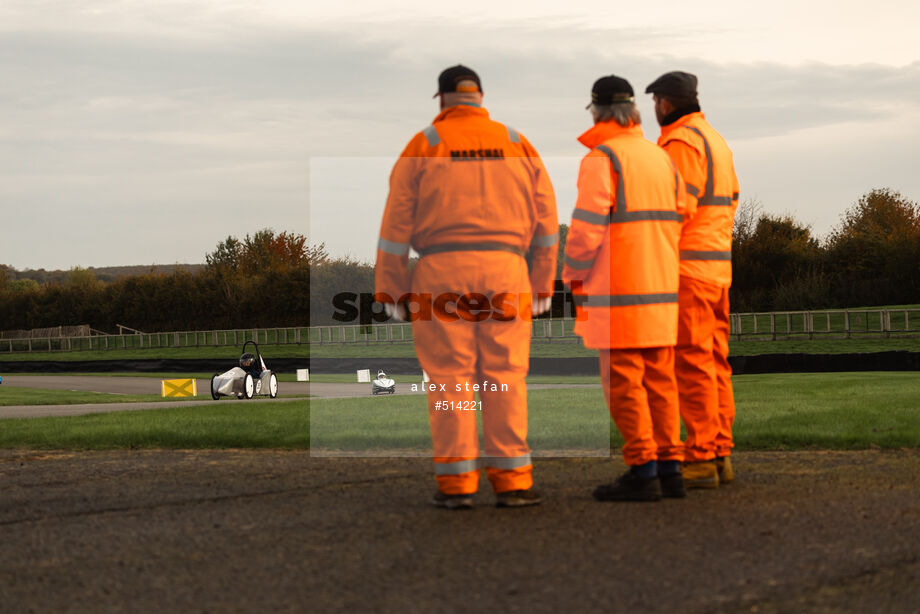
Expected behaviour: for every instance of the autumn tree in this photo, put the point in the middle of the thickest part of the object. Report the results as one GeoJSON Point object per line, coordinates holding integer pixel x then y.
{"type": "Point", "coordinates": [874, 253]}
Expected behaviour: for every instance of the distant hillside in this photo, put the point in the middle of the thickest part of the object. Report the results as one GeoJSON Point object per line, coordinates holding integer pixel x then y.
{"type": "Point", "coordinates": [108, 273]}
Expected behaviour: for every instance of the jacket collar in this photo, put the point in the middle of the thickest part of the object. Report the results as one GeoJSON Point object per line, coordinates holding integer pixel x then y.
{"type": "Point", "coordinates": [604, 131]}
{"type": "Point", "coordinates": [683, 120]}
{"type": "Point", "coordinates": [460, 111]}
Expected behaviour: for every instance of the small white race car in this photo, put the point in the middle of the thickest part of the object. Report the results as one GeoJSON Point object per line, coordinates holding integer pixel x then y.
{"type": "Point", "coordinates": [383, 384]}
{"type": "Point", "coordinates": [251, 378]}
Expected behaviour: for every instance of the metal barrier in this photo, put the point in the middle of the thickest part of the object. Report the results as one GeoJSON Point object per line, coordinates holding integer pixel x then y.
{"type": "Point", "coordinates": [832, 323]}
{"type": "Point", "coordinates": [767, 326]}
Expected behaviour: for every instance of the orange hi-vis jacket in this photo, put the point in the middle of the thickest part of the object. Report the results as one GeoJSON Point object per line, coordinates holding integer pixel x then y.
{"type": "Point", "coordinates": [621, 252]}
{"type": "Point", "coordinates": [467, 180]}
{"type": "Point", "coordinates": [705, 162]}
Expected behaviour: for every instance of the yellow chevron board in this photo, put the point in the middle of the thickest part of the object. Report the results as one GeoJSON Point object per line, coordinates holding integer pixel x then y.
{"type": "Point", "coordinates": [179, 388]}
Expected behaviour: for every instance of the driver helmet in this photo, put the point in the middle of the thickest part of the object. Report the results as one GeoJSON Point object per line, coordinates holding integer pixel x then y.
{"type": "Point", "coordinates": [381, 375]}
{"type": "Point", "coordinates": [247, 360]}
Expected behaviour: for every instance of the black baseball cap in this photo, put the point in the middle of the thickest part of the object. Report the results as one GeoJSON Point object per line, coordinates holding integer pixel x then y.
{"type": "Point", "coordinates": [611, 90]}
{"type": "Point", "coordinates": [677, 83]}
{"type": "Point", "coordinates": [450, 77]}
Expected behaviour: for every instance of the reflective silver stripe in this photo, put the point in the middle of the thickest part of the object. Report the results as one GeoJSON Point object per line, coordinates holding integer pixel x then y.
{"type": "Point", "coordinates": [592, 218]}
{"type": "Point", "coordinates": [676, 181]}
{"type": "Point", "coordinates": [691, 189]}
{"type": "Point", "coordinates": [620, 204]}
{"type": "Point", "coordinates": [392, 247]}
{"type": "Point", "coordinates": [708, 199]}
{"type": "Point", "coordinates": [470, 247]}
{"type": "Point", "coordinates": [516, 462]}
{"type": "Point", "coordinates": [456, 468]}
{"type": "Point", "coordinates": [622, 217]}
{"type": "Point", "coordinates": [579, 264]}
{"type": "Point", "coordinates": [431, 133]}
{"type": "Point", "coordinates": [513, 135]}
{"type": "Point", "coordinates": [627, 300]}
{"type": "Point", "coordinates": [545, 240]}
{"type": "Point", "coordinates": [707, 189]}
{"type": "Point", "coordinates": [716, 201]}
{"type": "Point", "coordinates": [704, 255]}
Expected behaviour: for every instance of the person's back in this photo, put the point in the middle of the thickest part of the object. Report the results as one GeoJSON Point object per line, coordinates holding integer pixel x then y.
{"type": "Point", "coordinates": [622, 265]}
{"type": "Point", "coordinates": [471, 196]}
{"type": "Point", "coordinates": [704, 375]}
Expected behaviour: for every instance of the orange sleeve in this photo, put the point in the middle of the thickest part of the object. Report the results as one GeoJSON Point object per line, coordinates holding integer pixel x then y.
{"type": "Point", "coordinates": [391, 272]}
{"type": "Point", "coordinates": [590, 220]}
{"type": "Point", "coordinates": [691, 164]}
{"type": "Point", "coordinates": [544, 245]}
{"type": "Point", "coordinates": [686, 205]}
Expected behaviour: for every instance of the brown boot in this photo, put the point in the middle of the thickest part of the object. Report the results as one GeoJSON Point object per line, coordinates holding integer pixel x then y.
{"type": "Point", "coordinates": [726, 473]}
{"type": "Point", "coordinates": [702, 474]}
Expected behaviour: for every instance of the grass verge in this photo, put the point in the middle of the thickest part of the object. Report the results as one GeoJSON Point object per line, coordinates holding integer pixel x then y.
{"type": "Point", "coordinates": [15, 395]}
{"type": "Point", "coordinates": [777, 411]}
{"type": "Point", "coordinates": [251, 424]}
{"type": "Point", "coordinates": [539, 349]}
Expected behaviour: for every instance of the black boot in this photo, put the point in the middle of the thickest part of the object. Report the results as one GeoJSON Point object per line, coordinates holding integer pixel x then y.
{"type": "Point", "coordinates": [630, 487]}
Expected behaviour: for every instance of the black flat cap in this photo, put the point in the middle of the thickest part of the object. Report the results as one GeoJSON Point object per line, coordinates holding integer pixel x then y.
{"type": "Point", "coordinates": [678, 84]}
{"type": "Point", "coordinates": [611, 89]}
{"type": "Point", "coordinates": [450, 77]}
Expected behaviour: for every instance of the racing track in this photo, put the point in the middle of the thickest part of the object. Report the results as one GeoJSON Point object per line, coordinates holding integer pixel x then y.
{"type": "Point", "coordinates": [272, 531]}
{"type": "Point", "coordinates": [150, 385]}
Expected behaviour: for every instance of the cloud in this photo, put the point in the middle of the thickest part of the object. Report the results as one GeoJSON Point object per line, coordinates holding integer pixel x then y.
{"type": "Point", "coordinates": [127, 117]}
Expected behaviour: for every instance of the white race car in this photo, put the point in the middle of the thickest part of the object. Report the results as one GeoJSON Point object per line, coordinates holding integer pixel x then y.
{"type": "Point", "coordinates": [383, 384]}
{"type": "Point", "coordinates": [251, 378]}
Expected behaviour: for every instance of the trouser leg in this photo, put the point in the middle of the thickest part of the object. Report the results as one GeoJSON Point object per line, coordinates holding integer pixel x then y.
{"type": "Point", "coordinates": [661, 388]}
{"type": "Point", "coordinates": [726, 395]}
{"type": "Point", "coordinates": [695, 369]}
{"type": "Point", "coordinates": [446, 351]}
{"type": "Point", "coordinates": [622, 372]}
{"type": "Point", "coordinates": [504, 354]}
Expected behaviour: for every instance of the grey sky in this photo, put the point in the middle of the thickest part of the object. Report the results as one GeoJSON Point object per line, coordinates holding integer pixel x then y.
{"type": "Point", "coordinates": [146, 132]}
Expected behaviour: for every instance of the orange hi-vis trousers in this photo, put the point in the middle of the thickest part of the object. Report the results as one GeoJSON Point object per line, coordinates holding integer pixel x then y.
{"type": "Point", "coordinates": [642, 396]}
{"type": "Point", "coordinates": [707, 402]}
{"type": "Point", "coordinates": [460, 355]}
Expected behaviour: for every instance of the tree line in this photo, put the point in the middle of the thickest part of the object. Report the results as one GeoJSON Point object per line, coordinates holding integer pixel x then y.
{"type": "Point", "coordinates": [872, 257]}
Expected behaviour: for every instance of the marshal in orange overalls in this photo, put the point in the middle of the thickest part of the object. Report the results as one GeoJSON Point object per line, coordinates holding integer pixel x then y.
{"type": "Point", "coordinates": [471, 196]}
{"type": "Point", "coordinates": [622, 265]}
{"type": "Point", "coordinates": [707, 403]}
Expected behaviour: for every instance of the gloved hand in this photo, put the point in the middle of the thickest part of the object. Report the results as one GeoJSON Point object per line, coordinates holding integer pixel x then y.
{"type": "Point", "coordinates": [395, 311]}
{"type": "Point", "coordinates": [540, 305]}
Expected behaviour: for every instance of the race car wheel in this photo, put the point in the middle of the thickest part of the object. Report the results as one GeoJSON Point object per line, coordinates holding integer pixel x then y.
{"type": "Point", "coordinates": [214, 394]}
{"type": "Point", "coordinates": [249, 386]}
{"type": "Point", "coordinates": [273, 386]}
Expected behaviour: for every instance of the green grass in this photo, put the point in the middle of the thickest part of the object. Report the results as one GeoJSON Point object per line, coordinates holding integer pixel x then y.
{"type": "Point", "coordinates": [777, 411]}
{"type": "Point", "coordinates": [571, 349]}
{"type": "Point", "coordinates": [229, 424]}
{"type": "Point", "coordinates": [834, 410]}
{"type": "Point", "coordinates": [323, 342]}
{"type": "Point", "coordinates": [564, 419]}
{"type": "Point", "coordinates": [15, 395]}
{"type": "Point", "coordinates": [229, 353]}
{"type": "Point", "coordinates": [539, 348]}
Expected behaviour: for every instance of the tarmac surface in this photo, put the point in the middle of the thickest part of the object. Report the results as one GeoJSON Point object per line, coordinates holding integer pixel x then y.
{"type": "Point", "coordinates": [281, 531]}
{"type": "Point", "coordinates": [151, 385]}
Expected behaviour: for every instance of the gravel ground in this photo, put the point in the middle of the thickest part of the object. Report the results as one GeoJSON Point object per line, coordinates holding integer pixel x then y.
{"type": "Point", "coordinates": [278, 531]}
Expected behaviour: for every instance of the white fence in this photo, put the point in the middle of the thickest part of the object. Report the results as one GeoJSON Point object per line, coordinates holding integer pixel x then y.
{"type": "Point", "coordinates": [828, 324]}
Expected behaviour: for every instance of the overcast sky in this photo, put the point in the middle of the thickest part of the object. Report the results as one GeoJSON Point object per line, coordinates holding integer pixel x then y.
{"type": "Point", "coordinates": [145, 132]}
